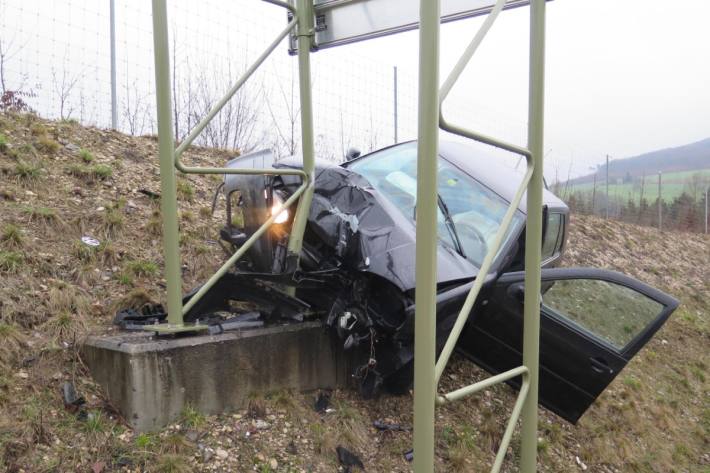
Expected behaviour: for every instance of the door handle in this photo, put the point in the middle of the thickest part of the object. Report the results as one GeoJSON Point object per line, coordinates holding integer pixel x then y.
{"type": "Point", "coordinates": [599, 365]}
{"type": "Point", "coordinates": [517, 292]}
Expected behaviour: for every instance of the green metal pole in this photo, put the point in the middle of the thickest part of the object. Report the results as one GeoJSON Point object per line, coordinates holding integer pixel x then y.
{"type": "Point", "coordinates": [166, 145]}
{"type": "Point", "coordinates": [304, 14]}
{"type": "Point", "coordinates": [425, 296]}
{"type": "Point", "coordinates": [533, 236]}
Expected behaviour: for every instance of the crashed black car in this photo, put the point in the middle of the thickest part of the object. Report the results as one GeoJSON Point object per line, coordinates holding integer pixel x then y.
{"type": "Point", "coordinates": [356, 272]}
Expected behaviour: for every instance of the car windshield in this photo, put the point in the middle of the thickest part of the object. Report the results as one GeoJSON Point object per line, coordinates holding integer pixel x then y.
{"type": "Point", "coordinates": [476, 212]}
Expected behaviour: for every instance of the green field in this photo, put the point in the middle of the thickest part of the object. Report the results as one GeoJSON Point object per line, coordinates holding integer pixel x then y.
{"type": "Point", "coordinates": [672, 185]}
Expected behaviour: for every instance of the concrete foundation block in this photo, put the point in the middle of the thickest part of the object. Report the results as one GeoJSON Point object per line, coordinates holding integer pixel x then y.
{"type": "Point", "coordinates": [150, 380]}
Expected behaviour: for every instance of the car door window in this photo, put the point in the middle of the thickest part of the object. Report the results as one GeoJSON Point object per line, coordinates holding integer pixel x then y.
{"type": "Point", "coordinates": [610, 311]}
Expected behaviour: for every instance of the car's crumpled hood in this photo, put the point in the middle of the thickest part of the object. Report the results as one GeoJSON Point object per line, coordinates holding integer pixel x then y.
{"type": "Point", "coordinates": [369, 234]}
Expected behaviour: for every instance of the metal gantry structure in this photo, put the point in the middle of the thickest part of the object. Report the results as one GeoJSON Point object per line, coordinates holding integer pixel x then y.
{"type": "Point", "coordinates": [427, 370]}
{"type": "Point", "coordinates": [431, 118]}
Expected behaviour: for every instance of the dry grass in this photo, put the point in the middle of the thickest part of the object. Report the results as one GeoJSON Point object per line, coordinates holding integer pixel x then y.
{"type": "Point", "coordinates": [47, 145]}
{"type": "Point", "coordinates": [652, 419]}
{"type": "Point", "coordinates": [65, 327]}
{"type": "Point", "coordinates": [111, 221]}
{"type": "Point", "coordinates": [89, 174]}
{"type": "Point", "coordinates": [45, 215]}
{"type": "Point", "coordinates": [135, 299]}
{"type": "Point", "coordinates": [12, 236]}
{"type": "Point", "coordinates": [28, 171]}
{"type": "Point", "coordinates": [11, 262]}
{"type": "Point", "coordinates": [12, 343]}
{"type": "Point", "coordinates": [154, 226]}
{"type": "Point", "coordinates": [64, 297]}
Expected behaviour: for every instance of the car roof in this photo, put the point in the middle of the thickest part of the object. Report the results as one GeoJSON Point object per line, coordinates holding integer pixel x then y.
{"type": "Point", "coordinates": [490, 172]}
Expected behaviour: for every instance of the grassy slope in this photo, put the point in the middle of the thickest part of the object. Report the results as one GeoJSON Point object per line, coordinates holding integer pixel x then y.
{"type": "Point", "coordinates": [654, 418]}
{"type": "Point", "coordinates": [672, 185]}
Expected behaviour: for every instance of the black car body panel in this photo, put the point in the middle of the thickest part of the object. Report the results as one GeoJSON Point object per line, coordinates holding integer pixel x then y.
{"type": "Point", "coordinates": [576, 363]}
{"type": "Point", "coordinates": [356, 271]}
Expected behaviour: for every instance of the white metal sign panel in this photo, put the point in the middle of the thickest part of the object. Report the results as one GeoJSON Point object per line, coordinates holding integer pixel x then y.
{"type": "Point", "coordinates": [340, 22]}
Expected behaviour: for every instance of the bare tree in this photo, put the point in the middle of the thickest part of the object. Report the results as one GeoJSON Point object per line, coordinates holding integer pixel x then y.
{"type": "Point", "coordinates": [236, 126]}
{"type": "Point", "coordinates": [63, 88]}
{"type": "Point", "coordinates": [372, 135]}
{"type": "Point", "coordinates": [696, 185]}
{"type": "Point", "coordinates": [345, 144]}
{"type": "Point", "coordinates": [11, 97]}
{"type": "Point", "coordinates": [569, 176]}
{"type": "Point", "coordinates": [8, 50]}
{"type": "Point", "coordinates": [285, 141]}
{"type": "Point", "coordinates": [641, 206]}
{"type": "Point", "coordinates": [136, 109]}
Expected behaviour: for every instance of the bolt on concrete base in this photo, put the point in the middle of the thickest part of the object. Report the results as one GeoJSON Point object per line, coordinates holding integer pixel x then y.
{"type": "Point", "coordinates": [151, 380]}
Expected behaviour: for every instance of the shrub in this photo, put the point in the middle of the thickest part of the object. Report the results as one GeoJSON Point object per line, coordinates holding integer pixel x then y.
{"type": "Point", "coordinates": [12, 342]}
{"type": "Point", "coordinates": [112, 220]}
{"type": "Point", "coordinates": [25, 149]}
{"type": "Point", "coordinates": [27, 171]}
{"type": "Point", "coordinates": [125, 279]}
{"type": "Point", "coordinates": [187, 216]}
{"type": "Point", "coordinates": [84, 252]}
{"type": "Point", "coordinates": [142, 268]}
{"type": "Point", "coordinates": [89, 174]}
{"type": "Point", "coordinates": [37, 129]}
{"type": "Point", "coordinates": [102, 171]}
{"type": "Point", "coordinates": [3, 143]}
{"type": "Point", "coordinates": [11, 235]}
{"type": "Point", "coordinates": [154, 226]}
{"type": "Point", "coordinates": [86, 156]}
{"type": "Point", "coordinates": [192, 418]}
{"type": "Point", "coordinates": [11, 261]}
{"type": "Point", "coordinates": [47, 145]}
{"type": "Point", "coordinates": [41, 214]}
{"type": "Point", "coordinates": [185, 190]}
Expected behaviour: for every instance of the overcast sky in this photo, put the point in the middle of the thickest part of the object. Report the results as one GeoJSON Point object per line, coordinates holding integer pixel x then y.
{"type": "Point", "coordinates": [623, 76]}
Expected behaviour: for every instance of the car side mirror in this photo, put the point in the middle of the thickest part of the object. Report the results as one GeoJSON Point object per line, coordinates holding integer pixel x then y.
{"type": "Point", "coordinates": [517, 292]}
{"type": "Point", "coordinates": [352, 154]}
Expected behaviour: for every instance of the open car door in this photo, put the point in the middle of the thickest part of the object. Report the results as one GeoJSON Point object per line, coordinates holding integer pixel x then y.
{"type": "Point", "coordinates": [592, 322]}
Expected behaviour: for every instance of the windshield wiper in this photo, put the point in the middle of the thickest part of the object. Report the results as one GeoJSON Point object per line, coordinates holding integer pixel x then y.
{"type": "Point", "coordinates": [450, 225]}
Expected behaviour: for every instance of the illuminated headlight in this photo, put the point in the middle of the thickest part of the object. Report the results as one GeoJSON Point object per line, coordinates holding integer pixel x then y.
{"type": "Point", "coordinates": [278, 210]}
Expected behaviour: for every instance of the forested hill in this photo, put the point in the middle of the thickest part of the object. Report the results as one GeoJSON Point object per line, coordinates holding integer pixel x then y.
{"type": "Point", "coordinates": [690, 157]}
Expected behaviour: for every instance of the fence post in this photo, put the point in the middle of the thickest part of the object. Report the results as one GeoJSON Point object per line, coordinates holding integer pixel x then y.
{"type": "Point", "coordinates": [396, 111]}
{"type": "Point", "coordinates": [660, 204]}
{"type": "Point", "coordinates": [594, 193]}
{"type": "Point", "coordinates": [114, 107]}
{"type": "Point", "coordinates": [607, 187]}
{"type": "Point", "coordinates": [706, 208]}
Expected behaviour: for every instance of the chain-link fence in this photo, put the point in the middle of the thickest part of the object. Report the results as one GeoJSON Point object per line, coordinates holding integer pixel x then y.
{"type": "Point", "coordinates": [55, 59]}
{"type": "Point", "coordinates": [678, 201]}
